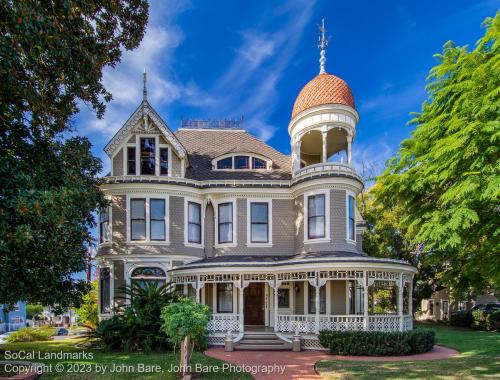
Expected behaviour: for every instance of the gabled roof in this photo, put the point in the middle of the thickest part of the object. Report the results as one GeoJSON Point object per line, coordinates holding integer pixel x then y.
{"type": "Point", "coordinates": [203, 145]}
{"type": "Point", "coordinates": [124, 132]}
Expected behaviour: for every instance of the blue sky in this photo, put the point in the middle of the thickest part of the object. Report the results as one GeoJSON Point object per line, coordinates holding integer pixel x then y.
{"type": "Point", "coordinates": [219, 59]}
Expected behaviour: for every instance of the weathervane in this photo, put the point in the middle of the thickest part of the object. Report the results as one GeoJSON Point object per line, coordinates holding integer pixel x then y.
{"type": "Point", "coordinates": [144, 88]}
{"type": "Point", "coordinates": [322, 44]}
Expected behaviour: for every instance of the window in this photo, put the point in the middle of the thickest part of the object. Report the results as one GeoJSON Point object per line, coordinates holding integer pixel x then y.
{"type": "Point", "coordinates": [104, 225]}
{"type": "Point", "coordinates": [157, 219]}
{"type": "Point", "coordinates": [194, 222]}
{"type": "Point", "coordinates": [225, 223]}
{"type": "Point", "coordinates": [163, 161]}
{"type": "Point", "coordinates": [145, 276]}
{"type": "Point", "coordinates": [16, 307]}
{"type": "Point", "coordinates": [259, 222]}
{"type": "Point", "coordinates": [350, 218]}
{"type": "Point", "coordinates": [462, 305]}
{"type": "Point", "coordinates": [258, 163]}
{"type": "Point", "coordinates": [431, 307]}
{"type": "Point", "coordinates": [138, 219]}
{"type": "Point", "coordinates": [316, 216]}
{"type": "Point", "coordinates": [225, 298]}
{"type": "Point", "coordinates": [225, 163]}
{"type": "Point", "coordinates": [312, 300]}
{"type": "Point", "coordinates": [105, 289]}
{"type": "Point", "coordinates": [131, 161]}
{"type": "Point", "coordinates": [241, 162]}
{"type": "Point", "coordinates": [284, 297]}
{"type": "Point", "coordinates": [148, 156]}
{"type": "Point", "coordinates": [17, 319]}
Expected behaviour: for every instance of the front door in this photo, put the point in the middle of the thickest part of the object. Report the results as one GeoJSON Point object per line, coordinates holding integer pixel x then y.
{"type": "Point", "coordinates": [253, 303]}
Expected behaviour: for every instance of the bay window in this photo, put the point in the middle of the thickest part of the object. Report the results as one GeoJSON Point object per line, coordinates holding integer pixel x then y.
{"type": "Point", "coordinates": [194, 222]}
{"type": "Point", "coordinates": [104, 225]}
{"type": "Point", "coordinates": [312, 300]}
{"type": "Point", "coordinates": [138, 219]}
{"type": "Point", "coordinates": [225, 216]}
{"type": "Point", "coordinates": [351, 226]}
{"type": "Point", "coordinates": [157, 219]}
{"type": "Point", "coordinates": [316, 216]}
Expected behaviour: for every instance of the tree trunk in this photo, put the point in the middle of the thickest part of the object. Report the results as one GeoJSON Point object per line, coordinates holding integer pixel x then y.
{"type": "Point", "coordinates": [186, 358]}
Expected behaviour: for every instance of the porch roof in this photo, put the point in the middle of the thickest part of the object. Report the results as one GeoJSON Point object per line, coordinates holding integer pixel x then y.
{"type": "Point", "coordinates": [274, 261]}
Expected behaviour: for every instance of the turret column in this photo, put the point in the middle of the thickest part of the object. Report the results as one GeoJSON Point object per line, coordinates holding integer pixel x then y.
{"type": "Point", "coordinates": [349, 153]}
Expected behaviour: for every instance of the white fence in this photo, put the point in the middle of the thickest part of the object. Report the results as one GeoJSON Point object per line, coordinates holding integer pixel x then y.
{"type": "Point", "coordinates": [383, 322]}
{"type": "Point", "coordinates": [341, 322]}
{"type": "Point", "coordinates": [223, 322]}
{"type": "Point", "coordinates": [300, 323]}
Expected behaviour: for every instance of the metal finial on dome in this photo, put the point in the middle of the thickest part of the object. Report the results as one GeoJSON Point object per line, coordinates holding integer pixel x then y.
{"type": "Point", "coordinates": [322, 44]}
{"type": "Point", "coordinates": [144, 87]}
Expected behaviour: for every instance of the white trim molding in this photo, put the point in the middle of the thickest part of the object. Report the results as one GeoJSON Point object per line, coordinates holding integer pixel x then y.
{"type": "Point", "coordinates": [326, 238]}
{"type": "Point", "coordinates": [269, 202]}
{"type": "Point", "coordinates": [348, 194]}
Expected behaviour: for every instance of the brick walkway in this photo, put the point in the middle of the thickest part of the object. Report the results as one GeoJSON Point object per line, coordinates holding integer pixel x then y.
{"type": "Point", "coordinates": [300, 365]}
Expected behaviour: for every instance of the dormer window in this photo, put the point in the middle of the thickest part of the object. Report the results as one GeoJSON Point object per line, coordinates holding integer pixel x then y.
{"type": "Point", "coordinates": [242, 162]}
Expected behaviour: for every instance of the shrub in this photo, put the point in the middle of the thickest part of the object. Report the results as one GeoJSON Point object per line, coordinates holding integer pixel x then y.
{"type": "Point", "coordinates": [88, 312]}
{"type": "Point", "coordinates": [461, 319]}
{"type": "Point", "coordinates": [378, 343]}
{"type": "Point", "coordinates": [479, 319]}
{"type": "Point", "coordinates": [138, 326]}
{"type": "Point", "coordinates": [493, 321]}
{"type": "Point", "coordinates": [31, 334]}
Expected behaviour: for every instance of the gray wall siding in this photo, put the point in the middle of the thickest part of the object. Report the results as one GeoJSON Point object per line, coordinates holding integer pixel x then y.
{"type": "Point", "coordinates": [299, 297]}
{"type": "Point", "coordinates": [283, 229]}
{"type": "Point", "coordinates": [338, 294]}
{"type": "Point", "coordinates": [209, 230]}
{"type": "Point", "coordinates": [338, 222]}
{"type": "Point", "coordinates": [176, 165]}
{"type": "Point", "coordinates": [118, 163]}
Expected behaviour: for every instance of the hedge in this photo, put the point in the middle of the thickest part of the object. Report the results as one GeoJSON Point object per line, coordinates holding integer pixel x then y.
{"type": "Point", "coordinates": [378, 343]}
{"type": "Point", "coordinates": [31, 334]}
{"type": "Point", "coordinates": [477, 319]}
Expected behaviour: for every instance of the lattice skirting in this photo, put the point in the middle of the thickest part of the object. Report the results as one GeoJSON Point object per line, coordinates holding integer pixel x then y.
{"type": "Point", "coordinates": [309, 343]}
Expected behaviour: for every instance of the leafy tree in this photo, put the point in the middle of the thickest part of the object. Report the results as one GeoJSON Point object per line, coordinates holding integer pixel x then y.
{"type": "Point", "coordinates": [88, 312]}
{"type": "Point", "coordinates": [185, 322]}
{"type": "Point", "coordinates": [34, 311]}
{"type": "Point", "coordinates": [445, 178]}
{"type": "Point", "coordinates": [52, 54]}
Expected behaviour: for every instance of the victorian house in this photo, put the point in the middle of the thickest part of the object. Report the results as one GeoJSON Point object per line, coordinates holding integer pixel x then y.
{"type": "Point", "coordinates": [272, 243]}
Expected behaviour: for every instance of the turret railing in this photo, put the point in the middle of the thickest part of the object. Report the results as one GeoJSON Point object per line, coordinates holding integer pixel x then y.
{"type": "Point", "coordinates": [327, 168]}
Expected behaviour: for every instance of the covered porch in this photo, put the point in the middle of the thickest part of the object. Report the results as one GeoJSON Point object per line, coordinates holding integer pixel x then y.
{"type": "Point", "coordinates": [302, 300]}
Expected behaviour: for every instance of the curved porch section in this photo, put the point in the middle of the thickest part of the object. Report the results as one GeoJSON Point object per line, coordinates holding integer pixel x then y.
{"type": "Point", "coordinates": [302, 294]}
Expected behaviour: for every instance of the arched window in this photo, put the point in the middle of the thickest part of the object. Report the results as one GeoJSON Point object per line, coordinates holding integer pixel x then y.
{"type": "Point", "coordinates": [146, 275]}
{"type": "Point", "coordinates": [243, 161]}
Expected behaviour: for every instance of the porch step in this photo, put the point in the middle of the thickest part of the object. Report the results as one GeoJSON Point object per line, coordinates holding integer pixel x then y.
{"type": "Point", "coordinates": [262, 341]}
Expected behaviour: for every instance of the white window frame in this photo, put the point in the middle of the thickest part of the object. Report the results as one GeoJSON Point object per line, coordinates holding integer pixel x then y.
{"type": "Point", "coordinates": [348, 240]}
{"type": "Point", "coordinates": [147, 198]}
{"type": "Point", "coordinates": [269, 202]}
{"type": "Point", "coordinates": [269, 162]}
{"type": "Point", "coordinates": [234, 243]}
{"type": "Point", "coordinates": [186, 222]}
{"type": "Point", "coordinates": [326, 239]}
{"type": "Point", "coordinates": [104, 243]}
{"type": "Point", "coordinates": [137, 146]}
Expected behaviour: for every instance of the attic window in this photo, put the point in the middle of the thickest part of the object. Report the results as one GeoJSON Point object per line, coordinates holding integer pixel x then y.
{"type": "Point", "coordinates": [242, 162]}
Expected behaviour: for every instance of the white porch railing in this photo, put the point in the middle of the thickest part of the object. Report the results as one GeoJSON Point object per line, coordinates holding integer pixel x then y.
{"type": "Point", "coordinates": [407, 322]}
{"type": "Point", "coordinates": [292, 323]}
{"type": "Point", "coordinates": [383, 322]}
{"type": "Point", "coordinates": [223, 322]}
{"type": "Point", "coordinates": [326, 167]}
{"type": "Point", "coordinates": [6, 327]}
{"type": "Point", "coordinates": [307, 323]}
{"type": "Point", "coordinates": [341, 322]}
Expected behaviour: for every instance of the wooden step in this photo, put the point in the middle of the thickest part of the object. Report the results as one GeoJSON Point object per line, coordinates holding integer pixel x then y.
{"type": "Point", "coordinates": [258, 341]}
{"type": "Point", "coordinates": [259, 347]}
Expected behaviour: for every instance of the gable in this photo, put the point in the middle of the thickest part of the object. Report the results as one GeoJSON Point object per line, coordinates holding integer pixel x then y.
{"type": "Point", "coordinates": [144, 120]}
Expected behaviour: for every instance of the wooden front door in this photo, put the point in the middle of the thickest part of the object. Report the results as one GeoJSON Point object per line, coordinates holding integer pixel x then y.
{"type": "Point", "coordinates": [253, 304]}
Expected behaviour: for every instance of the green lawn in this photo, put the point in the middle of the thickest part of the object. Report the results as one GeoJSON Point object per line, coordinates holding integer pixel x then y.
{"type": "Point", "coordinates": [479, 358]}
{"type": "Point", "coordinates": [108, 359]}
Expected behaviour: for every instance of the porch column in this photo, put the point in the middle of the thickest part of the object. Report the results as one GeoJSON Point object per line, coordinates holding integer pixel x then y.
{"type": "Point", "coordinates": [296, 150]}
{"type": "Point", "coordinates": [324, 135]}
{"type": "Point", "coordinates": [349, 154]}
{"type": "Point", "coordinates": [276, 286]}
{"type": "Point", "coordinates": [400, 302]}
{"type": "Point", "coordinates": [317, 304]}
{"type": "Point", "coordinates": [242, 321]}
{"type": "Point", "coordinates": [410, 298]}
{"type": "Point", "coordinates": [365, 300]}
